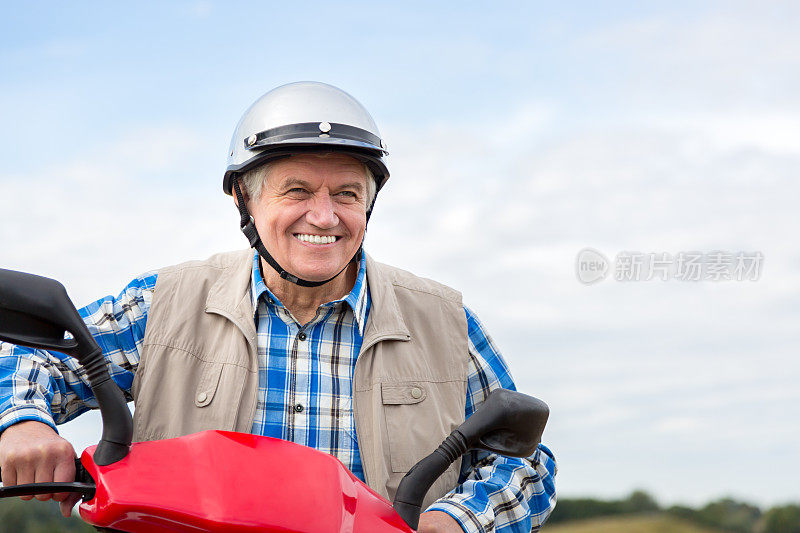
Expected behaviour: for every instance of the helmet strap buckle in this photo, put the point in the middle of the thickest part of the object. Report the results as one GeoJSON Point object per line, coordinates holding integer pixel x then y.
{"type": "Point", "coordinates": [251, 232]}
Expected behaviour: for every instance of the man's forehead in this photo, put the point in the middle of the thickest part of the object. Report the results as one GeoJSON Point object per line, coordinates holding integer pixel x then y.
{"type": "Point", "coordinates": [309, 165]}
{"type": "Point", "coordinates": [321, 157]}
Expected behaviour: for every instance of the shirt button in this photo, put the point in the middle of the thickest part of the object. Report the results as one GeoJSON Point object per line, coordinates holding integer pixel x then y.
{"type": "Point", "coordinates": [416, 393]}
{"type": "Point", "coordinates": [302, 336]}
{"type": "Point", "coordinates": [202, 397]}
{"type": "Point", "coordinates": [298, 408]}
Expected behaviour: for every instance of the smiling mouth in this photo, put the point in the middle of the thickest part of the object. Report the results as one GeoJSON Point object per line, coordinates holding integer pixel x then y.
{"type": "Point", "coordinates": [316, 239]}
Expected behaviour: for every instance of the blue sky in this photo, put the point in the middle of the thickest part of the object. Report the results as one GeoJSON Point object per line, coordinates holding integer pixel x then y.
{"type": "Point", "coordinates": [96, 70]}
{"type": "Point", "coordinates": [518, 135]}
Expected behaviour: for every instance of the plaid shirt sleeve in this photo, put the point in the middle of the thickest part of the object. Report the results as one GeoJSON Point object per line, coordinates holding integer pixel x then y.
{"type": "Point", "coordinates": [497, 493]}
{"type": "Point", "coordinates": [51, 387]}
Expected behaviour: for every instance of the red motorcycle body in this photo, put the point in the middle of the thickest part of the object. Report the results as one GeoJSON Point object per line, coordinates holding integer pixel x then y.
{"type": "Point", "coordinates": [233, 482]}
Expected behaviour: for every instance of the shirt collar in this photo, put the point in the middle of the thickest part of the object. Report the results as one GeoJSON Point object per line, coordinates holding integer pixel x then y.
{"type": "Point", "coordinates": [357, 299]}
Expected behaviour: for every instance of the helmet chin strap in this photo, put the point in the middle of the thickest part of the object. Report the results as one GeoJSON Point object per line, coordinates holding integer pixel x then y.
{"type": "Point", "coordinates": [248, 227]}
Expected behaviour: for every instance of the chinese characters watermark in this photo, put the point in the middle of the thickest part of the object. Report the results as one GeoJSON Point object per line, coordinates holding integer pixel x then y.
{"type": "Point", "coordinates": [592, 266]}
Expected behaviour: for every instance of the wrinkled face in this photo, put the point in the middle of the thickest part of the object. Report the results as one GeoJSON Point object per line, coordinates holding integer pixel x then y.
{"type": "Point", "coordinates": [311, 214]}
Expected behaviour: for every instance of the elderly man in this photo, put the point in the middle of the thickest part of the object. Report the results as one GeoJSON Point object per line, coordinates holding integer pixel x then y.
{"type": "Point", "coordinates": [306, 338]}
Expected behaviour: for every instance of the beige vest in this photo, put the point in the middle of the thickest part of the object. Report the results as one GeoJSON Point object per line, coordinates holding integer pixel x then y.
{"type": "Point", "coordinates": [199, 364]}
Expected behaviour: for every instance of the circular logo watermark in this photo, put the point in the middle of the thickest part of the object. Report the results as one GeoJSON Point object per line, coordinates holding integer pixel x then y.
{"type": "Point", "coordinates": [591, 266]}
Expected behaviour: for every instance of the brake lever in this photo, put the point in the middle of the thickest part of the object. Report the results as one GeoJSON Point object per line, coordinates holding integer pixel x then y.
{"type": "Point", "coordinates": [86, 490]}
{"type": "Point", "coordinates": [83, 484]}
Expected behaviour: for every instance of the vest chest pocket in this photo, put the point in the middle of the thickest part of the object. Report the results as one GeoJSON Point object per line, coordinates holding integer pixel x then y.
{"type": "Point", "coordinates": [207, 386]}
{"type": "Point", "coordinates": [416, 421]}
{"type": "Point", "coordinates": [216, 397]}
{"type": "Point", "coordinates": [179, 394]}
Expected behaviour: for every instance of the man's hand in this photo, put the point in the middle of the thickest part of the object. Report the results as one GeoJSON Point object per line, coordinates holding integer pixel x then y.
{"type": "Point", "coordinates": [438, 522]}
{"type": "Point", "coordinates": [31, 452]}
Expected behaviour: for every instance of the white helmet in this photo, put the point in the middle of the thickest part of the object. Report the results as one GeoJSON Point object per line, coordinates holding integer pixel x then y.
{"type": "Point", "coordinates": [305, 116]}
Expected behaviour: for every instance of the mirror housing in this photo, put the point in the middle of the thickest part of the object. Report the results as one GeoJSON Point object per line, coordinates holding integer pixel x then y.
{"type": "Point", "coordinates": [36, 312]}
{"type": "Point", "coordinates": [507, 423]}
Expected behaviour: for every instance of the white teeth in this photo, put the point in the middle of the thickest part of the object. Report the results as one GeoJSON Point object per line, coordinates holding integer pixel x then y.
{"type": "Point", "coordinates": [316, 239]}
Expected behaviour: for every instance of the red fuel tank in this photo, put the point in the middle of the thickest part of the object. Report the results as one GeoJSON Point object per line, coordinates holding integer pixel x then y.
{"type": "Point", "coordinates": [233, 482]}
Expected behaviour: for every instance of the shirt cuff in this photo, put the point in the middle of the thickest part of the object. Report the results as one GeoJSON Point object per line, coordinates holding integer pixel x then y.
{"type": "Point", "coordinates": [466, 517]}
{"type": "Point", "coordinates": [15, 415]}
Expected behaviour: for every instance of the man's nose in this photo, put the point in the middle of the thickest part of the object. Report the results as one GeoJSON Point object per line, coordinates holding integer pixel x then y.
{"type": "Point", "coordinates": [321, 212]}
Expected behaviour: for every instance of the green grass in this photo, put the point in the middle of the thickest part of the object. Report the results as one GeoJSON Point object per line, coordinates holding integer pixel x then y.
{"type": "Point", "coordinates": [658, 523]}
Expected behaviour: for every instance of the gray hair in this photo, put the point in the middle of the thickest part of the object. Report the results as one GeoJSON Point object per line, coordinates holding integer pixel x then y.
{"type": "Point", "coordinates": [254, 179]}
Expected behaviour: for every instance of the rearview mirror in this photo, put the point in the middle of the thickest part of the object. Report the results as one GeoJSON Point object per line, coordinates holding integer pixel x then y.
{"type": "Point", "coordinates": [508, 423]}
{"type": "Point", "coordinates": [36, 312]}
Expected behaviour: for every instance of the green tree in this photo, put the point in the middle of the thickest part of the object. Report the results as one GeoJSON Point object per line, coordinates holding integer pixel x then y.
{"type": "Point", "coordinates": [639, 502]}
{"type": "Point", "coordinates": [730, 515]}
{"type": "Point", "coordinates": [781, 519]}
{"type": "Point", "coordinates": [584, 508]}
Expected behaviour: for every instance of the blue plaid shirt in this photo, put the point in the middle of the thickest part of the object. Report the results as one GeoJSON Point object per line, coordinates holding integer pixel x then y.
{"type": "Point", "coordinates": [305, 392]}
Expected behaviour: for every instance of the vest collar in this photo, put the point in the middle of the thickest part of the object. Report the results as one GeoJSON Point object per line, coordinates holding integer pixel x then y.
{"type": "Point", "coordinates": [357, 298]}
{"type": "Point", "coordinates": [230, 297]}
{"type": "Point", "coordinates": [385, 320]}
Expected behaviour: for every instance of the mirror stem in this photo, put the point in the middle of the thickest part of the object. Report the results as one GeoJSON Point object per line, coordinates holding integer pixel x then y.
{"type": "Point", "coordinates": [415, 485]}
{"type": "Point", "coordinates": [117, 421]}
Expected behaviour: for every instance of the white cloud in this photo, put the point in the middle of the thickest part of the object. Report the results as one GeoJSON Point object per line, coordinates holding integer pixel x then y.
{"type": "Point", "coordinates": [771, 131]}
{"type": "Point", "coordinates": [623, 366]}
{"type": "Point", "coordinates": [710, 59]}
{"type": "Point", "coordinates": [97, 220]}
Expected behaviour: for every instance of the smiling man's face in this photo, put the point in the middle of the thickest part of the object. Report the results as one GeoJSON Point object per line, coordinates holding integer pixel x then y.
{"type": "Point", "coordinates": [312, 213]}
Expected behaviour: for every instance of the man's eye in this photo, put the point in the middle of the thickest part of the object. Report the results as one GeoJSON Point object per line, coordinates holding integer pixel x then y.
{"type": "Point", "coordinates": [296, 191]}
{"type": "Point", "coordinates": [350, 194]}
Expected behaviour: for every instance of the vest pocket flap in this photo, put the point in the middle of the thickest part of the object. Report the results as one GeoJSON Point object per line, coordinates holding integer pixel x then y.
{"type": "Point", "coordinates": [207, 386]}
{"type": "Point", "coordinates": [402, 393]}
